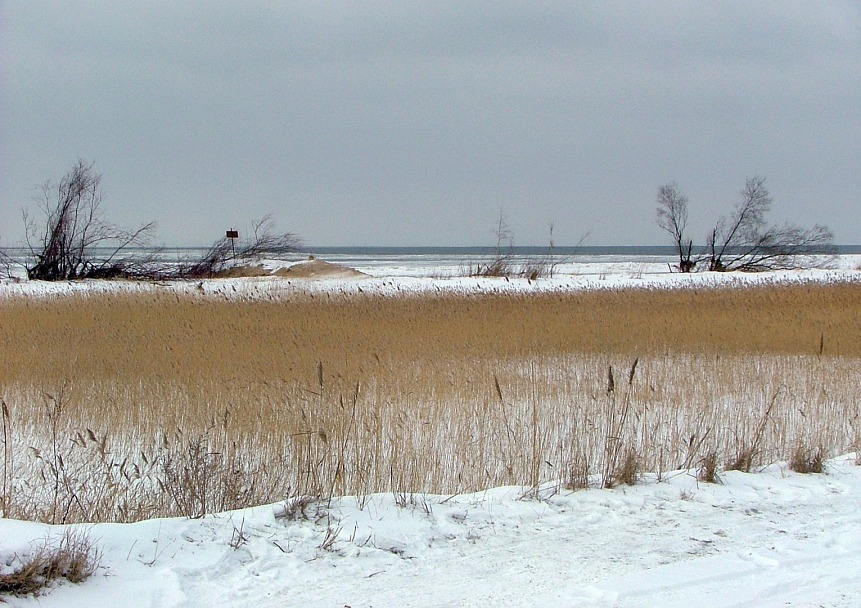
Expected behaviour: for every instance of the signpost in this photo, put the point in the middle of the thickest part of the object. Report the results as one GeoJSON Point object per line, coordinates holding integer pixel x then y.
{"type": "Point", "coordinates": [233, 235]}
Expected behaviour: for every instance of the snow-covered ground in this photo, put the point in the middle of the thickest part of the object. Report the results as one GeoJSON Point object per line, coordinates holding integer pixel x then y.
{"type": "Point", "coordinates": [765, 539]}
{"type": "Point", "coordinates": [416, 277]}
{"type": "Point", "coordinates": [768, 538]}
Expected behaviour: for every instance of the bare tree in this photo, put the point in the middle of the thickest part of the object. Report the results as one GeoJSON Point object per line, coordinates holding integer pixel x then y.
{"type": "Point", "coordinates": [75, 242]}
{"type": "Point", "coordinates": [502, 263]}
{"type": "Point", "coordinates": [504, 237]}
{"type": "Point", "coordinates": [223, 254]}
{"type": "Point", "coordinates": [746, 242]}
{"type": "Point", "coordinates": [672, 214]}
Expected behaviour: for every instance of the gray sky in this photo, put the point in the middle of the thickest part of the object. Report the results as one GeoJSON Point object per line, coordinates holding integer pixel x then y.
{"type": "Point", "coordinates": [416, 123]}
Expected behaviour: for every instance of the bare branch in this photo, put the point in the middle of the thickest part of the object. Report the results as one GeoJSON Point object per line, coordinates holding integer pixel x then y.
{"type": "Point", "coordinates": [7, 264]}
{"type": "Point", "coordinates": [267, 242]}
{"type": "Point", "coordinates": [672, 216]}
{"type": "Point", "coordinates": [67, 245]}
{"type": "Point", "coordinates": [222, 255]}
{"type": "Point", "coordinates": [745, 242]}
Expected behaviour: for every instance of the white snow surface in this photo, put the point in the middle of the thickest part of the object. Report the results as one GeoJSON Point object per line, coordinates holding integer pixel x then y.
{"type": "Point", "coordinates": [398, 281]}
{"type": "Point", "coordinates": [768, 538]}
{"type": "Point", "coordinates": [764, 539]}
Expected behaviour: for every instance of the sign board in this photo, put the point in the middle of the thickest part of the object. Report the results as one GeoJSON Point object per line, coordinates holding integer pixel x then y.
{"type": "Point", "coordinates": [233, 234]}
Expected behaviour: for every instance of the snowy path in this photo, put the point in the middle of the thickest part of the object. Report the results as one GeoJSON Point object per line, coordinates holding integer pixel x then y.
{"type": "Point", "coordinates": [773, 538]}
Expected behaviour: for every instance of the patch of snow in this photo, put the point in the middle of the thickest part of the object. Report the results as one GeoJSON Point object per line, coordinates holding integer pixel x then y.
{"type": "Point", "coordinates": [335, 283]}
{"type": "Point", "coordinates": [767, 539]}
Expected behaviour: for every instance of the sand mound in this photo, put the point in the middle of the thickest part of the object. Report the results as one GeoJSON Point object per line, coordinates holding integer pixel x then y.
{"type": "Point", "coordinates": [314, 268]}
{"type": "Point", "coordinates": [242, 271]}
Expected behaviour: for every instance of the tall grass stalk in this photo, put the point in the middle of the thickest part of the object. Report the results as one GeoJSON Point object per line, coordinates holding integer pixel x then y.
{"type": "Point", "coordinates": [179, 406]}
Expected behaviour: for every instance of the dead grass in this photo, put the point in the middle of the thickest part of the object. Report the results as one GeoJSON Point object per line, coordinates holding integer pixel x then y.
{"type": "Point", "coordinates": [627, 471]}
{"type": "Point", "coordinates": [185, 405]}
{"type": "Point", "coordinates": [806, 460]}
{"type": "Point", "coordinates": [146, 337]}
{"type": "Point", "coordinates": [74, 558]}
{"type": "Point", "coordinates": [708, 469]}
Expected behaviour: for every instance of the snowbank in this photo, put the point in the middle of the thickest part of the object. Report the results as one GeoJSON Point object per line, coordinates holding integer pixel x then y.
{"type": "Point", "coordinates": [766, 539]}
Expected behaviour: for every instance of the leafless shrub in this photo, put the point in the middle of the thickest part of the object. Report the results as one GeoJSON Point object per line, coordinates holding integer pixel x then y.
{"type": "Point", "coordinates": [502, 263]}
{"type": "Point", "coordinates": [188, 478]}
{"type": "Point", "coordinates": [743, 460]}
{"type": "Point", "coordinates": [533, 269]}
{"type": "Point", "coordinates": [224, 254]}
{"type": "Point", "coordinates": [502, 266]}
{"type": "Point", "coordinates": [199, 479]}
{"type": "Point", "coordinates": [542, 266]}
{"type": "Point", "coordinates": [73, 241]}
{"type": "Point", "coordinates": [626, 472]}
{"type": "Point", "coordinates": [708, 469]}
{"type": "Point", "coordinates": [296, 508]}
{"type": "Point", "coordinates": [745, 242]}
{"type": "Point", "coordinates": [505, 263]}
{"type": "Point", "coordinates": [672, 214]}
{"type": "Point", "coordinates": [807, 460]}
{"type": "Point", "coordinates": [7, 264]}
{"type": "Point", "coordinates": [75, 558]}
{"type": "Point", "coordinates": [578, 473]}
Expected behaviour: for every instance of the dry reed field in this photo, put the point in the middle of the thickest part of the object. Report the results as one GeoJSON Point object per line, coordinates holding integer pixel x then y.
{"type": "Point", "coordinates": [122, 407]}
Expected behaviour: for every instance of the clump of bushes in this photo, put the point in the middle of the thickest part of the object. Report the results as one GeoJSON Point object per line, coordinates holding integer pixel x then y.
{"type": "Point", "coordinates": [73, 241]}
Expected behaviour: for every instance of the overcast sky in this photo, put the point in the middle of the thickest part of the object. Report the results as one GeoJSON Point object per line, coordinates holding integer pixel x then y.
{"type": "Point", "coordinates": [417, 123]}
